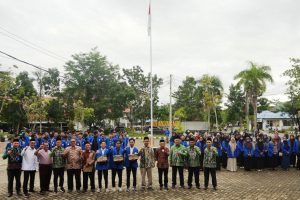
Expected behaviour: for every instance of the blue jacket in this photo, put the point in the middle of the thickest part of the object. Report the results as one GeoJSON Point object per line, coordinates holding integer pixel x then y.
{"type": "Point", "coordinates": [286, 150]}
{"type": "Point", "coordinates": [293, 148]}
{"type": "Point", "coordinates": [201, 146]}
{"type": "Point", "coordinates": [104, 165]}
{"type": "Point", "coordinates": [185, 143]}
{"type": "Point", "coordinates": [129, 163]}
{"type": "Point", "coordinates": [225, 146]}
{"type": "Point", "coordinates": [219, 148]}
{"type": "Point", "coordinates": [65, 143]}
{"type": "Point", "coordinates": [240, 145]}
{"type": "Point", "coordinates": [114, 152]}
{"type": "Point", "coordinates": [296, 147]}
{"type": "Point", "coordinates": [38, 142]}
{"type": "Point", "coordinates": [257, 152]}
{"type": "Point", "coordinates": [24, 142]}
{"type": "Point", "coordinates": [235, 153]}
{"type": "Point", "coordinates": [247, 151]}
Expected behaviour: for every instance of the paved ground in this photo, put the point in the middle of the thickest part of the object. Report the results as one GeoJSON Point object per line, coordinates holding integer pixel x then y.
{"type": "Point", "coordinates": [239, 185]}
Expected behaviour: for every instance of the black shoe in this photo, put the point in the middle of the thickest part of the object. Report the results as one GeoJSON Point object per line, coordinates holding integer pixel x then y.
{"type": "Point", "coordinates": [49, 190]}
{"type": "Point", "coordinates": [83, 191]}
{"type": "Point", "coordinates": [55, 190]}
{"type": "Point", "coordinates": [173, 187]}
{"type": "Point", "coordinates": [150, 188]}
{"type": "Point", "coordinates": [69, 191]}
{"type": "Point", "coordinates": [19, 193]}
{"type": "Point", "coordinates": [198, 187]}
{"type": "Point", "coordinates": [26, 194]}
{"type": "Point", "coordinates": [190, 187]}
{"type": "Point", "coordinates": [62, 189]}
{"type": "Point", "coordinates": [182, 187]}
{"type": "Point", "coordinates": [215, 188]}
{"type": "Point", "coordinates": [9, 194]}
{"type": "Point", "coordinates": [205, 188]}
{"type": "Point", "coordinates": [78, 191]}
{"type": "Point", "coordinates": [166, 188]}
{"type": "Point", "coordinates": [32, 191]}
{"type": "Point", "coordinates": [92, 190]}
{"type": "Point", "coordinates": [160, 187]}
{"type": "Point", "coordinates": [42, 193]}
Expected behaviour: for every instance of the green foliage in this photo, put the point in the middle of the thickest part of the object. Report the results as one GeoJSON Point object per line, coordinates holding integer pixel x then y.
{"type": "Point", "coordinates": [235, 104]}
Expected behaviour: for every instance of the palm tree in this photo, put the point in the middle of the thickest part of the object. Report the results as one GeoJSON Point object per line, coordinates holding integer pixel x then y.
{"type": "Point", "coordinates": [253, 80]}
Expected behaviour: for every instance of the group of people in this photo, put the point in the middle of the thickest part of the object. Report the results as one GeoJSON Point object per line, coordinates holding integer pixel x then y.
{"type": "Point", "coordinates": [97, 153]}
{"type": "Point", "coordinates": [87, 154]}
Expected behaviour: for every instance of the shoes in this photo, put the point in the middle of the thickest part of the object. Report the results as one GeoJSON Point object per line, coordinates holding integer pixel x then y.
{"type": "Point", "coordinates": [150, 188]}
{"type": "Point", "coordinates": [78, 191]}
{"type": "Point", "coordinates": [32, 191]}
{"type": "Point", "coordinates": [69, 191]}
{"type": "Point", "coordinates": [173, 187]}
{"type": "Point", "coordinates": [49, 190]}
{"type": "Point", "coordinates": [127, 190]}
{"type": "Point", "coordinates": [182, 187]}
{"type": "Point", "coordinates": [113, 189]}
{"type": "Point", "coordinates": [134, 189]}
{"type": "Point", "coordinates": [83, 191]}
{"type": "Point", "coordinates": [120, 189]}
{"type": "Point", "coordinates": [190, 187]}
{"type": "Point", "coordinates": [166, 188]}
{"type": "Point", "coordinates": [99, 190]}
{"type": "Point", "coordinates": [55, 190]}
{"type": "Point", "coordinates": [19, 193]}
{"type": "Point", "coordinates": [42, 193]}
{"type": "Point", "coordinates": [160, 188]}
{"type": "Point", "coordinates": [215, 188]}
{"type": "Point", "coordinates": [26, 194]}
{"type": "Point", "coordinates": [205, 188]}
{"type": "Point", "coordinates": [9, 194]}
{"type": "Point", "coordinates": [92, 190]}
{"type": "Point", "coordinates": [198, 187]}
{"type": "Point", "coordinates": [106, 190]}
{"type": "Point", "coordinates": [62, 189]}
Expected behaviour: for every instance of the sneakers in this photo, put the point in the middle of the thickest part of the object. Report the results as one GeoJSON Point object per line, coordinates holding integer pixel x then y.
{"type": "Point", "coordinates": [189, 187]}
{"type": "Point", "coordinates": [134, 189]}
{"type": "Point", "coordinates": [166, 188]}
{"type": "Point", "coordinates": [26, 194]}
{"type": "Point", "coordinates": [215, 188]}
{"type": "Point", "coordinates": [55, 190]}
{"type": "Point", "coordinates": [113, 189]}
{"type": "Point", "coordinates": [62, 189]}
{"type": "Point", "coordinates": [128, 190]}
{"type": "Point", "coordinates": [9, 194]}
{"type": "Point", "coordinates": [19, 193]}
{"type": "Point", "coordinates": [99, 190]}
{"type": "Point", "coordinates": [120, 189]}
{"type": "Point", "coordinates": [106, 190]}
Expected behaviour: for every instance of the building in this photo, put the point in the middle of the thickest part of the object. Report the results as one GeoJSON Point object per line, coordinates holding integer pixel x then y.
{"type": "Point", "coordinates": [267, 120]}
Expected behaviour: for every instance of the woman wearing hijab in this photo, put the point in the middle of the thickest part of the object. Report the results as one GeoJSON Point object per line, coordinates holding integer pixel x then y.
{"type": "Point", "coordinates": [286, 151]}
{"type": "Point", "coordinates": [232, 154]}
{"type": "Point", "coordinates": [217, 144]}
{"type": "Point", "coordinates": [240, 158]}
{"type": "Point", "coordinates": [248, 152]}
{"type": "Point", "coordinates": [225, 146]}
{"type": "Point", "coordinates": [273, 151]}
{"type": "Point", "coordinates": [260, 154]}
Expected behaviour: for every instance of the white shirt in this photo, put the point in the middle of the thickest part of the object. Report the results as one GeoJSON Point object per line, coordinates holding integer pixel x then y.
{"type": "Point", "coordinates": [102, 151]}
{"type": "Point", "coordinates": [131, 150]}
{"type": "Point", "coordinates": [29, 162]}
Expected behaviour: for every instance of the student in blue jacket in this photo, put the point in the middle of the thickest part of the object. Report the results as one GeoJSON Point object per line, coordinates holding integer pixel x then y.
{"type": "Point", "coordinates": [117, 167]}
{"type": "Point", "coordinates": [102, 165]}
{"type": "Point", "coordinates": [248, 153]}
{"type": "Point", "coordinates": [286, 152]}
{"type": "Point", "coordinates": [131, 165]}
{"type": "Point", "coordinates": [217, 144]}
{"type": "Point", "coordinates": [259, 153]}
{"type": "Point", "coordinates": [225, 145]}
{"type": "Point", "coordinates": [292, 144]}
{"type": "Point", "coordinates": [240, 145]}
{"type": "Point", "coordinates": [297, 151]}
{"type": "Point", "coordinates": [202, 145]}
{"type": "Point", "coordinates": [273, 153]}
{"type": "Point", "coordinates": [232, 154]}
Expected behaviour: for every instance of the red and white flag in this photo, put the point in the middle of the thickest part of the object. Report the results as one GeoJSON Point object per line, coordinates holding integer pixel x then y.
{"type": "Point", "coordinates": [149, 19]}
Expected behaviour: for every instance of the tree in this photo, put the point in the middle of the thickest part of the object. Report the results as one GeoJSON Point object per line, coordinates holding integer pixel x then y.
{"type": "Point", "coordinates": [235, 104]}
{"type": "Point", "coordinates": [189, 97]}
{"type": "Point", "coordinates": [253, 80]}
{"type": "Point", "coordinates": [140, 84]}
{"type": "Point", "coordinates": [83, 115]}
{"type": "Point", "coordinates": [55, 111]}
{"type": "Point", "coordinates": [51, 82]}
{"type": "Point", "coordinates": [263, 104]}
{"type": "Point", "coordinates": [293, 106]}
{"type": "Point", "coordinates": [212, 93]}
{"type": "Point", "coordinates": [6, 85]}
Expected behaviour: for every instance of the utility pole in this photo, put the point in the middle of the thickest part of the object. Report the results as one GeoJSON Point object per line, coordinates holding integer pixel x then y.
{"type": "Point", "coordinates": [41, 98]}
{"type": "Point", "coordinates": [170, 110]}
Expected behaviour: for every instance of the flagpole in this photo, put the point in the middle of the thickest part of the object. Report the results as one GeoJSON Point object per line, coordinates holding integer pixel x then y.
{"type": "Point", "coordinates": [151, 81]}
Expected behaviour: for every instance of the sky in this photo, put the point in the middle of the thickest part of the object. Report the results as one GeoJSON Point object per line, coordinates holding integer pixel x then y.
{"type": "Point", "coordinates": [189, 38]}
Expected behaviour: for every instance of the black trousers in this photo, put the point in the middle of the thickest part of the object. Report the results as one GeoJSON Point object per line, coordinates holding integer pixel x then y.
{"type": "Point", "coordinates": [45, 172]}
{"type": "Point", "coordinates": [248, 163]}
{"type": "Point", "coordinates": [58, 172]}
{"type": "Point", "coordinates": [273, 161]}
{"type": "Point", "coordinates": [128, 172]}
{"type": "Point", "coordinates": [114, 173]}
{"type": "Point", "coordinates": [259, 163]}
{"type": "Point", "coordinates": [71, 173]}
{"type": "Point", "coordinates": [27, 175]}
{"type": "Point", "coordinates": [224, 159]}
{"type": "Point", "coordinates": [201, 160]}
{"type": "Point", "coordinates": [240, 160]}
{"type": "Point", "coordinates": [194, 171]}
{"type": "Point", "coordinates": [293, 159]}
{"type": "Point", "coordinates": [11, 175]}
{"type": "Point", "coordinates": [163, 172]}
{"type": "Point", "coordinates": [86, 177]}
{"type": "Point", "coordinates": [104, 174]}
{"type": "Point", "coordinates": [174, 173]}
{"type": "Point", "coordinates": [219, 160]}
{"type": "Point", "coordinates": [212, 172]}
{"type": "Point", "coordinates": [298, 161]}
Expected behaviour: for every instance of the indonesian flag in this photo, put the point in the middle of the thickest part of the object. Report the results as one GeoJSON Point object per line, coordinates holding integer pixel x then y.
{"type": "Point", "coordinates": [149, 19]}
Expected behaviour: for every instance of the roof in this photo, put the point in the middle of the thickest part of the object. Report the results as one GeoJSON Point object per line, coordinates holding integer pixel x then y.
{"type": "Point", "coordinates": [273, 115]}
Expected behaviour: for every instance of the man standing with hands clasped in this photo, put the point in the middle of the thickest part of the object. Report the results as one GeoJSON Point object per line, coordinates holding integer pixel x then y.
{"type": "Point", "coordinates": [193, 161]}
{"type": "Point", "coordinates": [29, 166]}
{"type": "Point", "coordinates": [210, 163]}
{"type": "Point", "coordinates": [161, 156]}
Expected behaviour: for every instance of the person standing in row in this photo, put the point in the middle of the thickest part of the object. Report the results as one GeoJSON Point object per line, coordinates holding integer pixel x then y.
{"type": "Point", "coordinates": [45, 167]}
{"type": "Point", "coordinates": [29, 166]}
{"type": "Point", "coordinates": [177, 159]}
{"type": "Point", "coordinates": [193, 161]}
{"type": "Point", "coordinates": [58, 165]}
{"type": "Point", "coordinates": [147, 162]}
{"type": "Point", "coordinates": [88, 167]}
{"type": "Point", "coordinates": [73, 158]}
{"type": "Point", "coordinates": [161, 156]}
{"type": "Point", "coordinates": [14, 159]}
{"type": "Point", "coordinates": [102, 167]}
{"type": "Point", "coordinates": [131, 163]}
{"type": "Point", "coordinates": [232, 155]}
{"type": "Point", "coordinates": [210, 164]}
{"type": "Point", "coordinates": [117, 167]}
